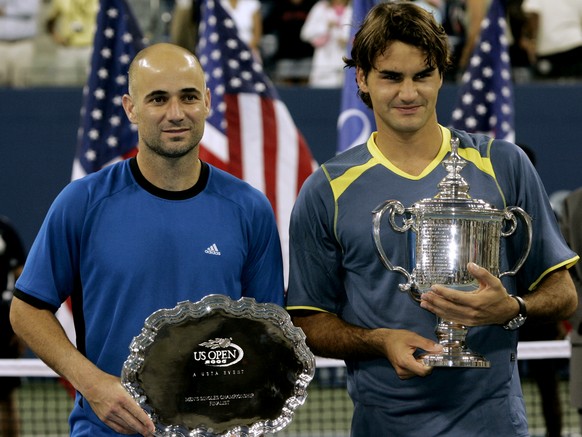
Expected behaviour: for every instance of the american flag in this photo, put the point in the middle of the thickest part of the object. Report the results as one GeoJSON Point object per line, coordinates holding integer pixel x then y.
{"type": "Point", "coordinates": [485, 99]}
{"type": "Point", "coordinates": [105, 135]}
{"type": "Point", "coordinates": [249, 132]}
{"type": "Point", "coordinates": [356, 121]}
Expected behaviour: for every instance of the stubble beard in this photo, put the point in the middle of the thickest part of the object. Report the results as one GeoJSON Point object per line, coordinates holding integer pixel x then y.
{"type": "Point", "coordinates": [161, 149]}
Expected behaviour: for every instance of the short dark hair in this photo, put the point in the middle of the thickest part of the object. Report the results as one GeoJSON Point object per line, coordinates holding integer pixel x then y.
{"type": "Point", "coordinates": [398, 21]}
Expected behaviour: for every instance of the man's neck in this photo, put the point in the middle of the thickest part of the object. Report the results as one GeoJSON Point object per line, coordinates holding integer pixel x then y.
{"type": "Point", "coordinates": [177, 174]}
{"type": "Point", "coordinates": [411, 153]}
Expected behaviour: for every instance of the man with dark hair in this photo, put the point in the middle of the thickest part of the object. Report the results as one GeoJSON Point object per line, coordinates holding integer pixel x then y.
{"type": "Point", "coordinates": [350, 306]}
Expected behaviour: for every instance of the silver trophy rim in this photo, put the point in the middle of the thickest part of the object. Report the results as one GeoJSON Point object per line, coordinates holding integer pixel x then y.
{"type": "Point", "coordinates": [244, 307]}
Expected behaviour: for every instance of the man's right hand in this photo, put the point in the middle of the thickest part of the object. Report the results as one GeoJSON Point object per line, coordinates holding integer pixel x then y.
{"type": "Point", "coordinates": [400, 348]}
{"type": "Point", "coordinates": [329, 336]}
{"type": "Point", "coordinates": [116, 408]}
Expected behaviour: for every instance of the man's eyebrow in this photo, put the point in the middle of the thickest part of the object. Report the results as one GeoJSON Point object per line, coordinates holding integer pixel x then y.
{"type": "Point", "coordinates": [389, 72]}
{"type": "Point", "coordinates": [156, 93]}
{"type": "Point", "coordinates": [427, 70]}
{"type": "Point", "coordinates": [162, 93]}
{"type": "Point", "coordinates": [190, 91]}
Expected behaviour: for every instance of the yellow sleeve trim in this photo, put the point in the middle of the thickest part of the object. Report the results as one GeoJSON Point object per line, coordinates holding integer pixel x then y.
{"type": "Point", "coordinates": [340, 184]}
{"type": "Point", "coordinates": [568, 263]}
{"type": "Point", "coordinates": [474, 156]}
{"type": "Point", "coordinates": [296, 308]}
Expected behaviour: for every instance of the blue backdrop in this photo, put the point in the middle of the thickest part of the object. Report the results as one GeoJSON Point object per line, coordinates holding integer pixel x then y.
{"type": "Point", "coordinates": [38, 134]}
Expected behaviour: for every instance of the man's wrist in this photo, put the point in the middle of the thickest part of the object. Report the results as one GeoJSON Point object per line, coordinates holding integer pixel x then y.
{"type": "Point", "coordinates": [521, 316]}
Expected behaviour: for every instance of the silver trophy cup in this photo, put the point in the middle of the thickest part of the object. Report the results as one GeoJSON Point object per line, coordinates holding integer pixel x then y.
{"type": "Point", "coordinates": [451, 230]}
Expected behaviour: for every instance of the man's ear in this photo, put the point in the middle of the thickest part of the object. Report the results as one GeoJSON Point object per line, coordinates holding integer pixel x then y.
{"type": "Point", "coordinates": [128, 107]}
{"type": "Point", "coordinates": [207, 101]}
{"type": "Point", "coordinates": [361, 80]}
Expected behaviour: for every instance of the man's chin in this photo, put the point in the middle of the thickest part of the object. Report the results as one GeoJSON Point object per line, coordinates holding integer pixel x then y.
{"type": "Point", "coordinates": [173, 151]}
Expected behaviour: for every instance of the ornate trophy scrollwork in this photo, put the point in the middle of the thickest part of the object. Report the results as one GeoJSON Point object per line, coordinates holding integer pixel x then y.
{"type": "Point", "coordinates": [451, 230]}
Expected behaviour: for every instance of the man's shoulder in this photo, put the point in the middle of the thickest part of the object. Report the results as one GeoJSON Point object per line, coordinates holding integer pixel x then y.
{"type": "Point", "coordinates": [102, 183]}
{"type": "Point", "coordinates": [482, 142]}
{"type": "Point", "coordinates": [469, 139]}
{"type": "Point", "coordinates": [340, 163]}
{"type": "Point", "coordinates": [228, 186]}
{"type": "Point", "coordinates": [111, 171]}
{"type": "Point", "coordinates": [219, 178]}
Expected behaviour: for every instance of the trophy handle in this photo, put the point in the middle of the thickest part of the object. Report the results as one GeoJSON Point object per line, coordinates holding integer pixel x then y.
{"type": "Point", "coordinates": [395, 208]}
{"type": "Point", "coordinates": [510, 215]}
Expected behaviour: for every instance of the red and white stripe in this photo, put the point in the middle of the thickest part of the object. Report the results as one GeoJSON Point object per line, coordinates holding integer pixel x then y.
{"type": "Point", "coordinates": [263, 147]}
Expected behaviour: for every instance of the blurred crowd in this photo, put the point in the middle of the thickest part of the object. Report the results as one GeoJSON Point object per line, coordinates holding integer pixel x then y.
{"type": "Point", "coordinates": [299, 42]}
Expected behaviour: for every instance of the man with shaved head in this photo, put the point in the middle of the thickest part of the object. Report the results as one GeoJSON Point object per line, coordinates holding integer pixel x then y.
{"type": "Point", "coordinates": [141, 235]}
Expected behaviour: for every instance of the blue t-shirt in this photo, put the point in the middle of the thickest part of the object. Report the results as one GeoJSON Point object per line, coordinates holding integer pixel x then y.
{"type": "Point", "coordinates": [334, 267]}
{"type": "Point", "coordinates": [122, 249]}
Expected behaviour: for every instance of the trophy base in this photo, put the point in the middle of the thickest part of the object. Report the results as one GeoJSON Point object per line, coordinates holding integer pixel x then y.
{"type": "Point", "coordinates": [456, 358]}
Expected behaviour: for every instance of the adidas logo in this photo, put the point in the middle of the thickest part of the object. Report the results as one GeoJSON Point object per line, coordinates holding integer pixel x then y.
{"type": "Point", "coordinates": [212, 250]}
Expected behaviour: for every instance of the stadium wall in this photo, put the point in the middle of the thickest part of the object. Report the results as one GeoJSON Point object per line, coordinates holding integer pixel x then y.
{"type": "Point", "coordinates": [38, 134]}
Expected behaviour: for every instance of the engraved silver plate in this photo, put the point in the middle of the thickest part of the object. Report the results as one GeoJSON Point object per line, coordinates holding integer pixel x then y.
{"type": "Point", "coordinates": [219, 367]}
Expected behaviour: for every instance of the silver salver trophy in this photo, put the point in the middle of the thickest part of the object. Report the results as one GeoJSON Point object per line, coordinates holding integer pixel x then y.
{"type": "Point", "coordinates": [451, 230]}
{"type": "Point", "coordinates": [219, 368]}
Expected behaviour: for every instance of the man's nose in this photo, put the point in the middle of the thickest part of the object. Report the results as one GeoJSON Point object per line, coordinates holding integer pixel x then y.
{"type": "Point", "coordinates": [175, 111]}
{"type": "Point", "coordinates": [408, 90]}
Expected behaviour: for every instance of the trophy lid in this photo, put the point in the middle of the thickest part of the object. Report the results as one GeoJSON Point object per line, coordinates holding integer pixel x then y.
{"type": "Point", "coordinates": [453, 189]}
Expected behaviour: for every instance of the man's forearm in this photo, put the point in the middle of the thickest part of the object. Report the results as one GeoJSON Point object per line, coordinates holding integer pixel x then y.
{"type": "Point", "coordinates": [45, 336]}
{"type": "Point", "coordinates": [329, 336]}
{"type": "Point", "coordinates": [554, 299]}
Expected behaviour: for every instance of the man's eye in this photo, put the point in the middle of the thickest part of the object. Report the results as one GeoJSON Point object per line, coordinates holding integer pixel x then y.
{"type": "Point", "coordinates": [425, 74]}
